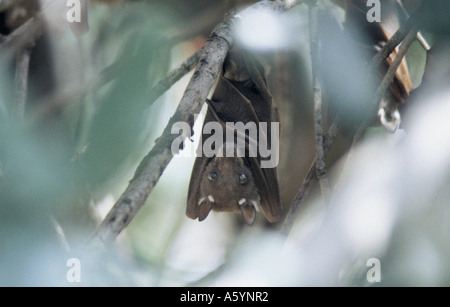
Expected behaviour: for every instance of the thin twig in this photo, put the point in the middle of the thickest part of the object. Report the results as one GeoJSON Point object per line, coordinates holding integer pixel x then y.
{"type": "Point", "coordinates": [387, 80]}
{"type": "Point", "coordinates": [406, 34]}
{"type": "Point", "coordinates": [390, 74]}
{"type": "Point", "coordinates": [420, 37]}
{"type": "Point", "coordinates": [398, 36]}
{"type": "Point", "coordinates": [405, 38]}
{"type": "Point", "coordinates": [380, 92]}
{"type": "Point", "coordinates": [21, 82]}
{"type": "Point", "coordinates": [175, 75]}
{"type": "Point", "coordinates": [152, 166]}
{"type": "Point", "coordinates": [317, 94]}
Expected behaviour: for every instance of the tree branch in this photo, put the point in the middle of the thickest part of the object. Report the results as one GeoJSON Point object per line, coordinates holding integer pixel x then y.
{"type": "Point", "coordinates": [24, 36]}
{"type": "Point", "coordinates": [21, 82]}
{"type": "Point", "coordinates": [390, 74]}
{"type": "Point", "coordinates": [398, 36]}
{"type": "Point", "coordinates": [405, 35]}
{"type": "Point", "coordinates": [387, 80]}
{"type": "Point", "coordinates": [174, 76]}
{"type": "Point", "coordinates": [317, 95]}
{"type": "Point", "coordinates": [153, 165]}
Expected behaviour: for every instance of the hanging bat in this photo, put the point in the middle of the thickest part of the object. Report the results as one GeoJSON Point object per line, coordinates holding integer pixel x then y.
{"type": "Point", "coordinates": [238, 183]}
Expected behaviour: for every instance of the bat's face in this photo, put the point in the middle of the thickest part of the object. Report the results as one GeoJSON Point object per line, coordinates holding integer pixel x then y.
{"type": "Point", "coordinates": [228, 185]}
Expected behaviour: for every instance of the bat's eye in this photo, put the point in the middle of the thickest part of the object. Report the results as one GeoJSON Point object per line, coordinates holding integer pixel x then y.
{"type": "Point", "coordinates": [243, 179]}
{"type": "Point", "coordinates": [212, 176]}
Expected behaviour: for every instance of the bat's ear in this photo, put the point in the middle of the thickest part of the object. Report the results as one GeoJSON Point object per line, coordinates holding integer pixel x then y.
{"type": "Point", "coordinates": [192, 208]}
{"type": "Point", "coordinates": [248, 213]}
{"type": "Point", "coordinates": [267, 183]}
{"type": "Point", "coordinates": [204, 208]}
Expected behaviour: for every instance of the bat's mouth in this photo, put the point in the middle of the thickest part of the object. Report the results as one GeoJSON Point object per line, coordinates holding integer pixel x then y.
{"type": "Point", "coordinates": [247, 208]}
